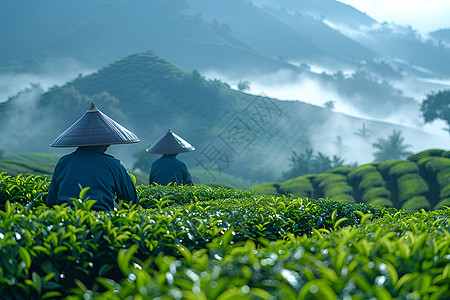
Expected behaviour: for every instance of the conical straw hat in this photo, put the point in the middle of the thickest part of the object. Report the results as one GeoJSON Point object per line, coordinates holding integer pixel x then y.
{"type": "Point", "coordinates": [170, 144]}
{"type": "Point", "coordinates": [94, 128]}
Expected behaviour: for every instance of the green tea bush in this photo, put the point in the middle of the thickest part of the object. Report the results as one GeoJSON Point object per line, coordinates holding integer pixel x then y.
{"type": "Point", "coordinates": [341, 170]}
{"type": "Point", "coordinates": [343, 198]}
{"type": "Point", "coordinates": [357, 174]}
{"type": "Point", "coordinates": [369, 181]}
{"type": "Point", "coordinates": [334, 186]}
{"type": "Point", "coordinates": [443, 202]}
{"type": "Point", "coordinates": [416, 203]}
{"type": "Point", "coordinates": [445, 192]}
{"type": "Point", "coordinates": [395, 257]}
{"type": "Point", "coordinates": [268, 188]}
{"type": "Point", "coordinates": [433, 165]}
{"type": "Point", "coordinates": [203, 243]}
{"type": "Point", "coordinates": [338, 189]}
{"type": "Point", "coordinates": [298, 187]}
{"type": "Point", "coordinates": [375, 192]}
{"type": "Point", "coordinates": [381, 201]}
{"type": "Point", "coordinates": [386, 166]}
{"type": "Point", "coordinates": [325, 179]}
{"type": "Point", "coordinates": [49, 252]}
{"type": "Point", "coordinates": [185, 194]}
{"type": "Point", "coordinates": [23, 189]}
{"type": "Point", "coordinates": [443, 178]}
{"type": "Point", "coordinates": [401, 168]}
{"type": "Point", "coordinates": [411, 185]}
{"type": "Point", "coordinates": [426, 153]}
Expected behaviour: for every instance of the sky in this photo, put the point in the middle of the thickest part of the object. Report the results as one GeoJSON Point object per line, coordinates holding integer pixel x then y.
{"type": "Point", "coordinates": [423, 15]}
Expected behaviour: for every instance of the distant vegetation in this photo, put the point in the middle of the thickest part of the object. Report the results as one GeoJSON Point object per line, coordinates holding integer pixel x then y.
{"type": "Point", "coordinates": [235, 134]}
{"type": "Point", "coordinates": [307, 162]}
{"type": "Point", "coordinates": [421, 181]}
{"type": "Point", "coordinates": [202, 243]}
{"type": "Point", "coordinates": [437, 106]}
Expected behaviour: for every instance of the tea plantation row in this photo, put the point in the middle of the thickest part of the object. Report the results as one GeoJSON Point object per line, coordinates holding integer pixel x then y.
{"type": "Point", "coordinates": [421, 181]}
{"type": "Point", "coordinates": [202, 243]}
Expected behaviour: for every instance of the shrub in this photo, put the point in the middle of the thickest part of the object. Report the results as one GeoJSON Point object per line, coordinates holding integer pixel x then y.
{"type": "Point", "coordinates": [370, 180]}
{"type": "Point", "coordinates": [377, 192]}
{"type": "Point", "coordinates": [427, 153]}
{"type": "Point", "coordinates": [298, 187]}
{"type": "Point", "coordinates": [341, 170]}
{"type": "Point", "coordinates": [381, 201]}
{"type": "Point", "coordinates": [445, 192]}
{"type": "Point", "coordinates": [356, 175]}
{"type": "Point", "coordinates": [326, 179]}
{"type": "Point", "coordinates": [443, 178]}
{"type": "Point", "coordinates": [403, 167]}
{"type": "Point", "coordinates": [384, 167]}
{"type": "Point", "coordinates": [434, 164]}
{"type": "Point", "coordinates": [443, 202]}
{"type": "Point", "coordinates": [337, 189]}
{"type": "Point", "coordinates": [415, 203]}
{"type": "Point", "coordinates": [268, 188]}
{"type": "Point", "coordinates": [411, 185]}
{"type": "Point", "coordinates": [344, 198]}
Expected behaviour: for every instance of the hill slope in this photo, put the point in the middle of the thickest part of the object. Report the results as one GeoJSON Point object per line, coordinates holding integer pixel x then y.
{"type": "Point", "coordinates": [248, 136]}
{"type": "Point", "coordinates": [421, 181]}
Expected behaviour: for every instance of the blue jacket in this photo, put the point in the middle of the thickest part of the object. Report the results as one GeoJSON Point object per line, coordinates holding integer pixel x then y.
{"type": "Point", "coordinates": [89, 166]}
{"type": "Point", "coordinates": [168, 169]}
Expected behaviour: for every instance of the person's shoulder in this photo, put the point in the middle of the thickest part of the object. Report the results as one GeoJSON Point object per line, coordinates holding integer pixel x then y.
{"type": "Point", "coordinates": [66, 157]}
{"type": "Point", "coordinates": [111, 159]}
{"type": "Point", "coordinates": [180, 162]}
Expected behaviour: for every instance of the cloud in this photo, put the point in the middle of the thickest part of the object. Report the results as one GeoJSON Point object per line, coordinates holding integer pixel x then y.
{"type": "Point", "coordinates": [423, 15]}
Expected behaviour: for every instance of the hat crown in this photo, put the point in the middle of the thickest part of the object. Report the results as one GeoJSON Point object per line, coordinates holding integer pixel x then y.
{"type": "Point", "coordinates": [94, 128]}
{"type": "Point", "coordinates": [170, 143]}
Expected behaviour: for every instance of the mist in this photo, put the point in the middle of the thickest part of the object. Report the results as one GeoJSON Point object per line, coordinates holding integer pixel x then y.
{"type": "Point", "coordinates": [337, 136]}
{"type": "Point", "coordinates": [57, 71]}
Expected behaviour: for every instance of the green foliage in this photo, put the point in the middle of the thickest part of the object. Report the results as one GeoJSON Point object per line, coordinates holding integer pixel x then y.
{"type": "Point", "coordinates": [298, 187]}
{"type": "Point", "coordinates": [416, 203]}
{"type": "Point", "coordinates": [391, 148]}
{"type": "Point", "coordinates": [341, 170]}
{"type": "Point", "coordinates": [376, 192]}
{"type": "Point", "coordinates": [310, 163]}
{"type": "Point", "coordinates": [369, 181]}
{"type": "Point", "coordinates": [390, 183]}
{"type": "Point", "coordinates": [199, 242]}
{"type": "Point", "coordinates": [267, 188]}
{"type": "Point", "coordinates": [435, 106]}
{"type": "Point", "coordinates": [243, 85]}
{"type": "Point", "coordinates": [411, 185]}
{"type": "Point", "coordinates": [355, 176]}
{"type": "Point", "coordinates": [27, 190]}
{"type": "Point", "coordinates": [442, 203]}
{"type": "Point", "coordinates": [381, 201]}
{"type": "Point", "coordinates": [431, 152]}
{"type": "Point", "coordinates": [402, 168]}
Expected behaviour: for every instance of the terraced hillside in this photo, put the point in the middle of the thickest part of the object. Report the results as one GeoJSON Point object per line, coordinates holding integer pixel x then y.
{"type": "Point", "coordinates": [421, 181]}
{"type": "Point", "coordinates": [235, 133]}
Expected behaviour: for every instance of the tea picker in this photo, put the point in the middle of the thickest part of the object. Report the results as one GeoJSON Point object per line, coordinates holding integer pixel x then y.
{"type": "Point", "coordinates": [168, 169]}
{"type": "Point", "coordinates": [89, 165]}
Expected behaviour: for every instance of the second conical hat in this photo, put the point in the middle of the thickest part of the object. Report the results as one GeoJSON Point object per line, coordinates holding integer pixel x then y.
{"type": "Point", "coordinates": [94, 128]}
{"type": "Point", "coordinates": [170, 143]}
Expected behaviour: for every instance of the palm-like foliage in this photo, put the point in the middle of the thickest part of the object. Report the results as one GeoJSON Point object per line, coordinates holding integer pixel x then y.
{"type": "Point", "coordinates": [391, 148]}
{"type": "Point", "coordinates": [363, 132]}
{"type": "Point", "coordinates": [437, 106]}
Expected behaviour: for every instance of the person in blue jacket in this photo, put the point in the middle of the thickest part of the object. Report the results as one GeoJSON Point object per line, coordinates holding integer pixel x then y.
{"type": "Point", "coordinates": [168, 169]}
{"type": "Point", "coordinates": [89, 165]}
